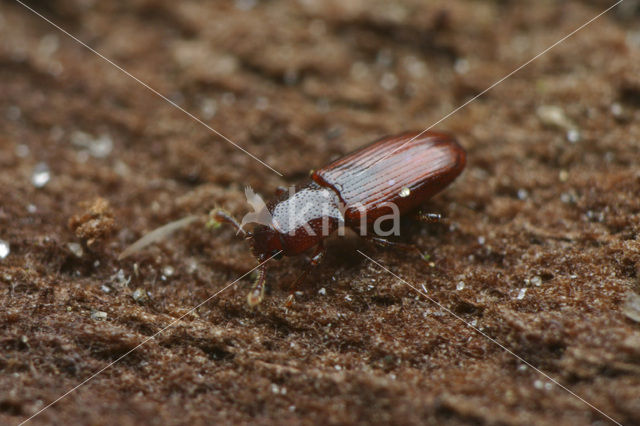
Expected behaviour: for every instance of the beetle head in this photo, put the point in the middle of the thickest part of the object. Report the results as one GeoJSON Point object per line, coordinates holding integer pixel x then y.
{"type": "Point", "coordinates": [265, 242]}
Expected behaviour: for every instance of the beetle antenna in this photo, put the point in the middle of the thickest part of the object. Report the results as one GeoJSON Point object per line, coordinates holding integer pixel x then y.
{"type": "Point", "coordinates": [219, 216]}
{"type": "Point", "coordinates": [256, 294]}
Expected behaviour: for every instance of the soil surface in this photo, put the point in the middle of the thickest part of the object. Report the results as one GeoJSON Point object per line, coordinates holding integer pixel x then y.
{"type": "Point", "coordinates": [537, 268]}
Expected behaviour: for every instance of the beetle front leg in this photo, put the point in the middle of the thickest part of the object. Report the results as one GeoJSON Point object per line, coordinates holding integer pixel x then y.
{"type": "Point", "coordinates": [316, 258]}
{"type": "Point", "coordinates": [256, 294]}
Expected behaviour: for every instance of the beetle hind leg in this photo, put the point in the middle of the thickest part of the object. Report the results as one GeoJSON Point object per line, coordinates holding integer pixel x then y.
{"type": "Point", "coordinates": [381, 242]}
{"type": "Point", "coordinates": [430, 217]}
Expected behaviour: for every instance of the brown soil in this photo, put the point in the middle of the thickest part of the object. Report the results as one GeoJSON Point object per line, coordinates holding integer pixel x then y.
{"type": "Point", "coordinates": [298, 84]}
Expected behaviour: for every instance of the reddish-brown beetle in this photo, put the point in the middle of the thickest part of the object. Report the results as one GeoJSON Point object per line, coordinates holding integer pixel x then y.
{"type": "Point", "coordinates": [389, 177]}
{"type": "Point", "coordinates": [355, 190]}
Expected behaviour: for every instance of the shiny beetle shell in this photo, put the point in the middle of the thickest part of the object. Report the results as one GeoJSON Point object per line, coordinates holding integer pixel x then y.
{"type": "Point", "coordinates": [395, 169]}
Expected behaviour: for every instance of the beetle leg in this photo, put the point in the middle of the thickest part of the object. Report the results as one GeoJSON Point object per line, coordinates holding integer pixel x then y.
{"type": "Point", "coordinates": [256, 294]}
{"type": "Point", "coordinates": [381, 242]}
{"type": "Point", "coordinates": [315, 260]}
{"type": "Point", "coordinates": [430, 217]}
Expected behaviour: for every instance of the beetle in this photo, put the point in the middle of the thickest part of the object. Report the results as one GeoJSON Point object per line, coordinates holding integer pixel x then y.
{"type": "Point", "coordinates": [403, 171]}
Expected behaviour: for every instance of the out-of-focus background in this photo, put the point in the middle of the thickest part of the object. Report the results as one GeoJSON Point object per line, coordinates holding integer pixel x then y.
{"type": "Point", "coordinates": [541, 253]}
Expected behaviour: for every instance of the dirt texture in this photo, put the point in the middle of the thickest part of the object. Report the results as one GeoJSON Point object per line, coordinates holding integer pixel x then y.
{"type": "Point", "coordinates": [541, 252]}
